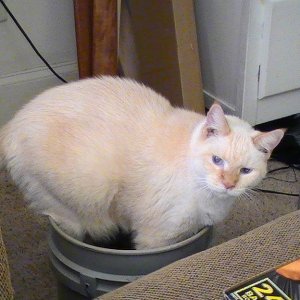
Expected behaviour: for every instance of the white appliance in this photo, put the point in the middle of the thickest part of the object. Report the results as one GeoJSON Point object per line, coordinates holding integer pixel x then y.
{"type": "Point", "coordinates": [250, 56]}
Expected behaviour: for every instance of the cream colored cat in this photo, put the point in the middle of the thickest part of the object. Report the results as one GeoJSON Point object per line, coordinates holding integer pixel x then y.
{"type": "Point", "coordinates": [107, 152]}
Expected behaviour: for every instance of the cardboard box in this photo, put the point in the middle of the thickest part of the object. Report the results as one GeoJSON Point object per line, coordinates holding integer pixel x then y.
{"type": "Point", "coordinates": [158, 46]}
{"type": "Point", "coordinates": [281, 283]}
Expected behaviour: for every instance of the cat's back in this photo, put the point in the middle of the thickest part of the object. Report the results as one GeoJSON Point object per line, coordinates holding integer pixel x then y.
{"type": "Point", "coordinates": [90, 107]}
{"type": "Point", "coordinates": [100, 97]}
{"type": "Point", "coordinates": [104, 115]}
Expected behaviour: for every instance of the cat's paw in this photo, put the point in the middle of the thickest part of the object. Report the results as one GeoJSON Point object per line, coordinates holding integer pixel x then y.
{"type": "Point", "coordinates": [144, 242]}
{"type": "Point", "coordinates": [73, 229]}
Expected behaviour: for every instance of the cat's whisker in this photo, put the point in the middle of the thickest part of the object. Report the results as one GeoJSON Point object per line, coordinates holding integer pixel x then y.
{"type": "Point", "coordinates": [204, 188]}
{"type": "Point", "coordinates": [253, 190]}
{"type": "Point", "coordinates": [248, 195]}
{"type": "Point", "coordinates": [252, 197]}
{"type": "Point", "coordinates": [202, 180]}
{"type": "Point", "coordinates": [243, 197]}
{"type": "Point", "coordinates": [253, 193]}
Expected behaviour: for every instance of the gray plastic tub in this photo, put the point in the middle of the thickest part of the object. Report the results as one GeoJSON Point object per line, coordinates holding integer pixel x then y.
{"type": "Point", "coordinates": [84, 271]}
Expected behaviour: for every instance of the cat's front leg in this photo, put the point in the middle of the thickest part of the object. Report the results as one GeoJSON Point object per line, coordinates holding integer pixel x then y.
{"type": "Point", "coordinates": [144, 241]}
{"type": "Point", "coordinates": [145, 238]}
{"type": "Point", "coordinates": [67, 225]}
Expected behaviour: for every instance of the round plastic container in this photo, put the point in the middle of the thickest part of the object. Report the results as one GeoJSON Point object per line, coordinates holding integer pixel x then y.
{"type": "Point", "coordinates": [85, 271]}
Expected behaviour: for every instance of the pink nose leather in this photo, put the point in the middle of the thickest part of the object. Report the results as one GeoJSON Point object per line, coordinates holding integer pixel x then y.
{"type": "Point", "coordinates": [228, 185]}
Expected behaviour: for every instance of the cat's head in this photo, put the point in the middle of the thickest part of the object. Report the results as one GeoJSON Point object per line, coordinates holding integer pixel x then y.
{"type": "Point", "coordinates": [229, 154]}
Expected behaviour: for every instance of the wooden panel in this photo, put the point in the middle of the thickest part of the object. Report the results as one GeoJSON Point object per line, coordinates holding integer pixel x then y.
{"type": "Point", "coordinates": [83, 23]}
{"type": "Point", "coordinates": [105, 42]}
{"type": "Point", "coordinates": [148, 46]}
{"type": "Point", "coordinates": [188, 56]}
{"type": "Point", "coordinates": [150, 51]}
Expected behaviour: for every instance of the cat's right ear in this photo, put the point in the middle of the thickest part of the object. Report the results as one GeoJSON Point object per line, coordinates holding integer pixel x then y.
{"type": "Point", "coordinates": [215, 123]}
{"type": "Point", "coordinates": [267, 141]}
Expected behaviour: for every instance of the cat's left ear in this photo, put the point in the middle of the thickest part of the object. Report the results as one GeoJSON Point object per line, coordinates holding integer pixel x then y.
{"type": "Point", "coordinates": [216, 123]}
{"type": "Point", "coordinates": [267, 141]}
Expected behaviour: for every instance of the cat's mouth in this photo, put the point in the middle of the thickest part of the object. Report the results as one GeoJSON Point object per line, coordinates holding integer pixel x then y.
{"type": "Point", "coordinates": [219, 190]}
{"type": "Point", "coordinates": [223, 192]}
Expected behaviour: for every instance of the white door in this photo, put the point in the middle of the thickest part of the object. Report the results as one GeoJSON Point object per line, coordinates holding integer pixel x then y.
{"type": "Point", "coordinates": [280, 48]}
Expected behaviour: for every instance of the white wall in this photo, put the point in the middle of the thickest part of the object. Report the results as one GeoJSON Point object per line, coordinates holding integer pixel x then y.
{"type": "Point", "coordinates": [50, 25]}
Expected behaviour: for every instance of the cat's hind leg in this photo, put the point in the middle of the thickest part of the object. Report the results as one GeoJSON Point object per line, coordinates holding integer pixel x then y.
{"type": "Point", "coordinates": [42, 201]}
{"type": "Point", "coordinates": [67, 221]}
{"type": "Point", "coordinates": [101, 224]}
{"type": "Point", "coordinates": [147, 239]}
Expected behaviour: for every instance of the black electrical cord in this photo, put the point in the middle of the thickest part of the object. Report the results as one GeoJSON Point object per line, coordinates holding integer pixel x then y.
{"type": "Point", "coordinates": [282, 180]}
{"type": "Point", "coordinates": [31, 43]}
{"type": "Point", "coordinates": [280, 193]}
{"type": "Point", "coordinates": [278, 169]}
{"type": "Point", "coordinates": [274, 192]}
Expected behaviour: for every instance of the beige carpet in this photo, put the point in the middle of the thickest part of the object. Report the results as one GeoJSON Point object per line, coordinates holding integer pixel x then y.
{"type": "Point", "coordinates": [25, 237]}
{"type": "Point", "coordinates": [25, 233]}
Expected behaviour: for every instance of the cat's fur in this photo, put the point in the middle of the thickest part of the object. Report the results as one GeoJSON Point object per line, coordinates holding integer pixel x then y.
{"type": "Point", "coordinates": [107, 152]}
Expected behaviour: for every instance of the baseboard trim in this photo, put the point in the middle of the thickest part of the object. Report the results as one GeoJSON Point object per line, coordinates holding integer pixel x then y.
{"type": "Point", "coordinates": [39, 73]}
{"type": "Point", "coordinates": [209, 99]}
{"type": "Point", "coordinates": [19, 88]}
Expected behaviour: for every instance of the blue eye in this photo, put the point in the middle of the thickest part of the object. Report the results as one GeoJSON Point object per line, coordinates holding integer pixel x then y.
{"type": "Point", "coordinates": [245, 170]}
{"type": "Point", "coordinates": [217, 160]}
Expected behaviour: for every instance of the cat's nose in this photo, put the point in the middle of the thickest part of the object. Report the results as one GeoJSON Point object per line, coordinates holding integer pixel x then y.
{"type": "Point", "coordinates": [228, 185]}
